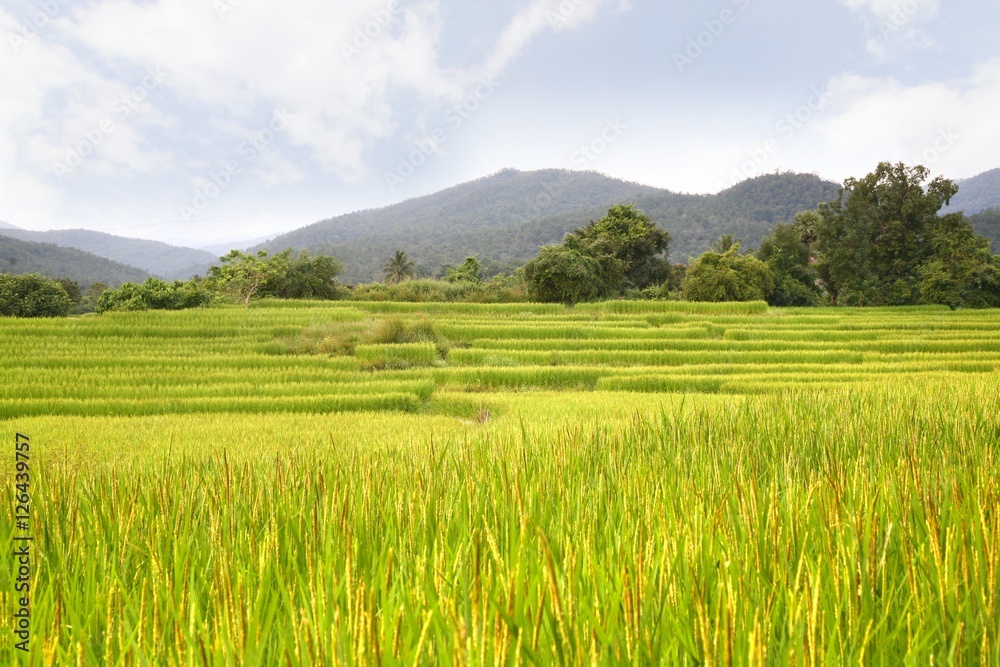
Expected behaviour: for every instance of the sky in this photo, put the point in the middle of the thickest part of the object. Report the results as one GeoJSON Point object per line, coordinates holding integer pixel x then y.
{"type": "Point", "coordinates": [199, 122]}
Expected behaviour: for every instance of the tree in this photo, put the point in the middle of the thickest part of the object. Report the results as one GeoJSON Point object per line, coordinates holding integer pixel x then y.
{"type": "Point", "coordinates": [307, 277]}
{"type": "Point", "coordinates": [398, 269]}
{"type": "Point", "coordinates": [72, 290]}
{"type": "Point", "coordinates": [872, 241]}
{"type": "Point", "coordinates": [632, 251]}
{"type": "Point", "coordinates": [154, 294]}
{"type": "Point", "coordinates": [788, 258]}
{"type": "Point", "coordinates": [468, 272]}
{"type": "Point", "coordinates": [723, 244]}
{"type": "Point", "coordinates": [31, 295]}
{"type": "Point", "coordinates": [728, 276]}
{"type": "Point", "coordinates": [563, 275]}
{"type": "Point", "coordinates": [243, 275]}
{"type": "Point", "coordinates": [884, 242]}
{"type": "Point", "coordinates": [961, 271]}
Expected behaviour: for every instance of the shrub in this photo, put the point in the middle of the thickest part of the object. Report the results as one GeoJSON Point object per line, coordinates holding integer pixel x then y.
{"type": "Point", "coordinates": [32, 295]}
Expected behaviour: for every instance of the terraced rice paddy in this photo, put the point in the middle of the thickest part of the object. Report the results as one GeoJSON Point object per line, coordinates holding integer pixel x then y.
{"type": "Point", "coordinates": [626, 482]}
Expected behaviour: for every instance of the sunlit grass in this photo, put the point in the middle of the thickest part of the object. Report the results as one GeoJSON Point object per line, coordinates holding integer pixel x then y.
{"type": "Point", "coordinates": [768, 488]}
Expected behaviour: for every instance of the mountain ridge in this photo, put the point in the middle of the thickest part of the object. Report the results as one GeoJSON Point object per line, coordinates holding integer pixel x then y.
{"type": "Point", "coordinates": [18, 256]}
{"type": "Point", "coordinates": [166, 261]}
{"type": "Point", "coordinates": [505, 217]}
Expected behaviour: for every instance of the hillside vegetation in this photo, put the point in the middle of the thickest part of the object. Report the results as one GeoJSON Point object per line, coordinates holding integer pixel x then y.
{"type": "Point", "coordinates": [978, 193]}
{"type": "Point", "coordinates": [505, 218]}
{"type": "Point", "coordinates": [159, 259]}
{"type": "Point", "coordinates": [987, 224]}
{"type": "Point", "coordinates": [19, 257]}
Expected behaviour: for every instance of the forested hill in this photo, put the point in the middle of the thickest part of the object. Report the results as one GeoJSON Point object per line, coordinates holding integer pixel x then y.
{"type": "Point", "coordinates": [987, 224]}
{"type": "Point", "coordinates": [978, 193]}
{"type": "Point", "coordinates": [503, 219]}
{"type": "Point", "coordinates": [17, 256]}
{"type": "Point", "coordinates": [166, 261]}
{"type": "Point", "coordinates": [445, 227]}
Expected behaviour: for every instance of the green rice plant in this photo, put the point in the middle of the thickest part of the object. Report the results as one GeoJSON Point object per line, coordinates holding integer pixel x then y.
{"type": "Point", "coordinates": [396, 356]}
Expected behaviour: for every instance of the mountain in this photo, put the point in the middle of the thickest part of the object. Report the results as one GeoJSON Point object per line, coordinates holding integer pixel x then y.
{"type": "Point", "coordinates": [159, 259]}
{"type": "Point", "coordinates": [987, 224]}
{"type": "Point", "coordinates": [219, 249]}
{"type": "Point", "coordinates": [504, 218]}
{"type": "Point", "coordinates": [17, 256]}
{"type": "Point", "coordinates": [978, 193]}
{"type": "Point", "coordinates": [5, 225]}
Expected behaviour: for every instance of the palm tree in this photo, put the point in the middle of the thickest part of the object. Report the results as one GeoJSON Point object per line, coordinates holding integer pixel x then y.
{"type": "Point", "coordinates": [398, 269]}
{"type": "Point", "coordinates": [724, 244]}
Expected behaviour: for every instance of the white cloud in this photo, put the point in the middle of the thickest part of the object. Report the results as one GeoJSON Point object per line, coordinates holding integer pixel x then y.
{"type": "Point", "coordinates": [947, 126]}
{"type": "Point", "coordinates": [895, 22]}
{"type": "Point", "coordinates": [537, 17]}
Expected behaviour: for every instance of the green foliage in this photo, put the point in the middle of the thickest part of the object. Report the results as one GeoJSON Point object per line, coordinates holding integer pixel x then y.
{"type": "Point", "coordinates": [155, 294]}
{"type": "Point", "coordinates": [631, 249]}
{"type": "Point", "coordinates": [788, 259]}
{"type": "Point", "coordinates": [498, 289]}
{"type": "Point", "coordinates": [73, 290]}
{"type": "Point", "coordinates": [20, 257]}
{"type": "Point", "coordinates": [563, 275]}
{"type": "Point", "coordinates": [728, 276]}
{"type": "Point", "coordinates": [383, 344]}
{"type": "Point", "coordinates": [622, 251]}
{"type": "Point", "coordinates": [31, 295]}
{"type": "Point", "coordinates": [468, 272]}
{"type": "Point", "coordinates": [976, 194]}
{"type": "Point", "coordinates": [306, 276]}
{"type": "Point", "coordinates": [245, 275]}
{"type": "Point", "coordinates": [162, 260]}
{"type": "Point", "coordinates": [882, 243]}
{"type": "Point", "coordinates": [987, 224]}
{"type": "Point", "coordinates": [504, 219]}
{"type": "Point", "coordinates": [961, 272]}
{"type": "Point", "coordinates": [397, 269]}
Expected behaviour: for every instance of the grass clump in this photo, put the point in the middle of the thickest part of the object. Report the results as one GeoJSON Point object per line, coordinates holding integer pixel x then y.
{"type": "Point", "coordinates": [390, 343]}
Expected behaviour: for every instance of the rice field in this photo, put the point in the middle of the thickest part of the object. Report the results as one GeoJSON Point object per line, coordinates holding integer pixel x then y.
{"type": "Point", "coordinates": [620, 483]}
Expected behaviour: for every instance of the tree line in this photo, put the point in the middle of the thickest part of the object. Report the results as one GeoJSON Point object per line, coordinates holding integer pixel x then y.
{"type": "Point", "coordinates": [882, 242]}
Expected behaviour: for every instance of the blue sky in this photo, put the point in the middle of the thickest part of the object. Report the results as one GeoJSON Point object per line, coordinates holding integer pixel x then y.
{"type": "Point", "coordinates": [205, 121]}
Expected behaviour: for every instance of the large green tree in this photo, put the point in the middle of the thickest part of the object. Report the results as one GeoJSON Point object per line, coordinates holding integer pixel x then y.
{"type": "Point", "coordinates": [884, 242]}
{"type": "Point", "coordinates": [623, 250]}
{"type": "Point", "coordinates": [31, 295]}
{"type": "Point", "coordinates": [306, 276]}
{"type": "Point", "coordinates": [873, 239]}
{"type": "Point", "coordinates": [631, 249]}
